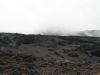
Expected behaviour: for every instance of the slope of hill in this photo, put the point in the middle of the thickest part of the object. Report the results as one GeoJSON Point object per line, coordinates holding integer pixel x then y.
{"type": "Point", "coordinates": [22, 54]}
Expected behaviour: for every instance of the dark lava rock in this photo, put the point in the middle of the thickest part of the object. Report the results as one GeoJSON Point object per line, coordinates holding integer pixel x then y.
{"type": "Point", "coordinates": [61, 43]}
{"type": "Point", "coordinates": [31, 65]}
{"type": "Point", "coordinates": [2, 68]}
{"type": "Point", "coordinates": [66, 50]}
{"type": "Point", "coordinates": [98, 60]}
{"type": "Point", "coordinates": [34, 73]}
{"type": "Point", "coordinates": [73, 54]}
{"type": "Point", "coordinates": [90, 49]}
{"type": "Point", "coordinates": [6, 39]}
{"type": "Point", "coordinates": [18, 43]}
{"type": "Point", "coordinates": [2, 53]}
{"type": "Point", "coordinates": [16, 72]}
{"type": "Point", "coordinates": [56, 53]}
{"type": "Point", "coordinates": [48, 44]}
{"type": "Point", "coordinates": [78, 73]}
{"type": "Point", "coordinates": [3, 62]}
{"type": "Point", "coordinates": [1, 42]}
{"type": "Point", "coordinates": [9, 53]}
{"type": "Point", "coordinates": [31, 59]}
{"type": "Point", "coordinates": [15, 38]}
{"type": "Point", "coordinates": [29, 39]}
{"type": "Point", "coordinates": [65, 69]}
{"type": "Point", "coordinates": [53, 40]}
{"type": "Point", "coordinates": [96, 52]}
{"type": "Point", "coordinates": [51, 49]}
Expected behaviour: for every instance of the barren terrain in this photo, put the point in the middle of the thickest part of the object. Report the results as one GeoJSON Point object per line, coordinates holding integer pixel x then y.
{"type": "Point", "coordinates": [22, 54]}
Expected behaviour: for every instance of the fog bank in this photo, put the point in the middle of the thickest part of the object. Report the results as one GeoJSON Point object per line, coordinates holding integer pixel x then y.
{"type": "Point", "coordinates": [52, 17]}
{"type": "Point", "coordinates": [94, 33]}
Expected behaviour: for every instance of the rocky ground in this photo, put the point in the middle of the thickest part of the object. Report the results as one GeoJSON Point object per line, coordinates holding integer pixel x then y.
{"type": "Point", "coordinates": [49, 55]}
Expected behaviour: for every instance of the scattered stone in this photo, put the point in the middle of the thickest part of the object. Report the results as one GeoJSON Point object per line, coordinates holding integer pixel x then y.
{"type": "Point", "coordinates": [34, 73]}
{"type": "Point", "coordinates": [6, 40]}
{"type": "Point", "coordinates": [18, 43]}
{"type": "Point", "coordinates": [31, 65]}
{"type": "Point", "coordinates": [66, 50]}
{"type": "Point", "coordinates": [30, 59]}
{"type": "Point", "coordinates": [2, 68]}
{"type": "Point", "coordinates": [78, 73]}
{"type": "Point", "coordinates": [73, 54]}
{"type": "Point", "coordinates": [16, 72]}
{"type": "Point", "coordinates": [65, 69]}
{"type": "Point", "coordinates": [61, 43]}
{"type": "Point", "coordinates": [51, 49]}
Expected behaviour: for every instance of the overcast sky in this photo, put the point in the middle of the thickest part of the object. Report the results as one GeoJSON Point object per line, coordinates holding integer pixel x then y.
{"type": "Point", "coordinates": [37, 16]}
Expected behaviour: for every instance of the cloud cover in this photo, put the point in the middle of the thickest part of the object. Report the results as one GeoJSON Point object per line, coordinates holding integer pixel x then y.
{"type": "Point", "coordinates": [49, 16]}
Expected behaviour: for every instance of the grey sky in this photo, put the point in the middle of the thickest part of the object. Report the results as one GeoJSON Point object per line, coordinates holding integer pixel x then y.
{"type": "Point", "coordinates": [36, 16]}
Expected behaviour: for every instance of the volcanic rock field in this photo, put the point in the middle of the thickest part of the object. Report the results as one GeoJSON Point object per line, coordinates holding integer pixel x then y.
{"type": "Point", "coordinates": [22, 54]}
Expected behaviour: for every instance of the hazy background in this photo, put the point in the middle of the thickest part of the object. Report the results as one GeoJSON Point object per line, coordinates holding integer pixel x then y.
{"type": "Point", "coordinates": [58, 17]}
